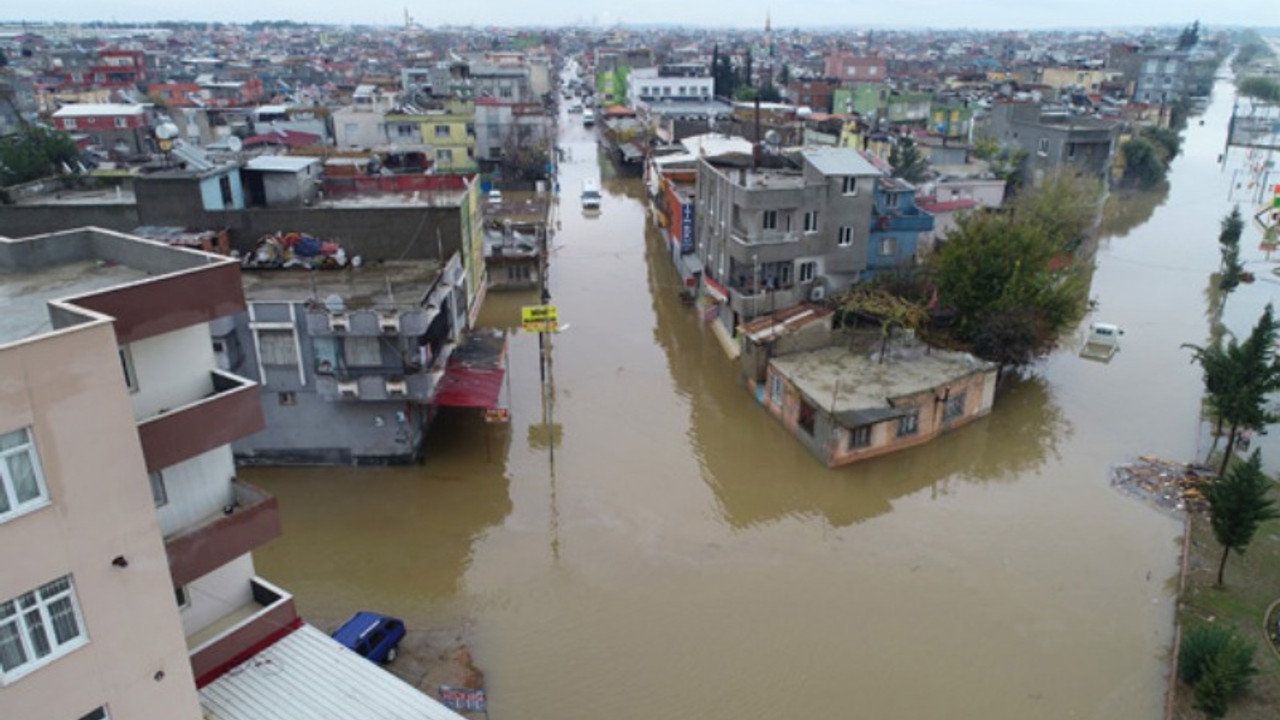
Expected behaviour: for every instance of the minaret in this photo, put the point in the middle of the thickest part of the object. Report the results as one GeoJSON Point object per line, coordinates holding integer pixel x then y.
{"type": "Point", "coordinates": [768, 32]}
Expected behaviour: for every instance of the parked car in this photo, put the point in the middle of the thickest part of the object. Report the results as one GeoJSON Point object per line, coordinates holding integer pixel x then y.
{"type": "Point", "coordinates": [372, 635]}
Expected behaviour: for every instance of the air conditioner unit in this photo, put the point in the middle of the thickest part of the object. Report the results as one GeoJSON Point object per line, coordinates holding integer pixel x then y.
{"type": "Point", "coordinates": [389, 322]}
{"type": "Point", "coordinates": [397, 387]}
{"type": "Point", "coordinates": [349, 389]}
{"type": "Point", "coordinates": [339, 323]}
{"type": "Point", "coordinates": [817, 293]}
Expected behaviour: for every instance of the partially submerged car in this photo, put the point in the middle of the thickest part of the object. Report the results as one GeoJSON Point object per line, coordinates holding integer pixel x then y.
{"type": "Point", "coordinates": [372, 635]}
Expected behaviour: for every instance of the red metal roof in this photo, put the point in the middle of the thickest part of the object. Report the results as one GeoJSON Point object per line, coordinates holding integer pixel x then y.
{"type": "Point", "coordinates": [280, 136]}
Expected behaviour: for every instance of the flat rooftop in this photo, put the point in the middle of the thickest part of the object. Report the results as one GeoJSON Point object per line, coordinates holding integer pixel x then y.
{"type": "Point", "coordinates": [108, 196]}
{"type": "Point", "coordinates": [25, 294]}
{"type": "Point", "coordinates": [864, 382]}
{"type": "Point", "coordinates": [387, 284]}
{"type": "Point", "coordinates": [35, 270]}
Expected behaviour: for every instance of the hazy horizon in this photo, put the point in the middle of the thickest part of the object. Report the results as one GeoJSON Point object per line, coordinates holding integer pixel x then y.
{"type": "Point", "coordinates": [745, 14]}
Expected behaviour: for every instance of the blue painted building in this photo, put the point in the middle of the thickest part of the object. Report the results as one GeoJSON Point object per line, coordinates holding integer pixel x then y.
{"type": "Point", "coordinates": [896, 226]}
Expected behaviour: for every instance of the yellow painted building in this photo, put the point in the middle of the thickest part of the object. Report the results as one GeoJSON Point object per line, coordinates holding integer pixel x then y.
{"type": "Point", "coordinates": [450, 132]}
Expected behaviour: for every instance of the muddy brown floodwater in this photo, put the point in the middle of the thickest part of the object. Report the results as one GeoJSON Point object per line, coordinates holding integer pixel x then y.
{"type": "Point", "coordinates": [685, 558]}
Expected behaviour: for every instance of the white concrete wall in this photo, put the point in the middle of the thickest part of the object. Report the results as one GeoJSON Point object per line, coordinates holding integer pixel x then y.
{"type": "Point", "coordinates": [172, 369]}
{"type": "Point", "coordinates": [217, 593]}
{"type": "Point", "coordinates": [196, 489]}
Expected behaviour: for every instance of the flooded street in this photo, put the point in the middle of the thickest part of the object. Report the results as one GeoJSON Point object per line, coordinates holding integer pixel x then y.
{"type": "Point", "coordinates": [685, 557]}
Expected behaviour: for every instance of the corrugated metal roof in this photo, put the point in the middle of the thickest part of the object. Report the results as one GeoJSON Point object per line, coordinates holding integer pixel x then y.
{"type": "Point", "coordinates": [307, 674]}
{"type": "Point", "coordinates": [839, 161]}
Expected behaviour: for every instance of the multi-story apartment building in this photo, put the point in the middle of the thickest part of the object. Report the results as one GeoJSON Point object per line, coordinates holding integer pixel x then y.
{"type": "Point", "coordinates": [1054, 138]}
{"type": "Point", "coordinates": [349, 363]}
{"type": "Point", "coordinates": [669, 83]}
{"type": "Point", "coordinates": [126, 536]}
{"type": "Point", "coordinates": [128, 588]}
{"type": "Point", "coordinates": [446, 127]}
{"type": "Point", "coordinates": [1161, 77]}
{"type": "Point", "coordinates": [787, 230]}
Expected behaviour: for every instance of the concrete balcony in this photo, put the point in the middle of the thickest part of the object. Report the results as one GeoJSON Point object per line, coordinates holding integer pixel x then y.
{"type": "Point", "coordinates": [250, 521]}
{"type": "Point", "coordinates": [243, 631]}
{"type": "Point", "coordinates": [750, 305]}
{"type": "Point", "coordinates": [230, 411]}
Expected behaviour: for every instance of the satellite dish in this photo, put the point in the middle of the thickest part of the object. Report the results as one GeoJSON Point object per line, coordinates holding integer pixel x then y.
{"type": "Point", "coordinates": [773, 138]}
{"type": "Point", "coordinates": [234, 144]}
{"type": "Point", "coordinates": [334, 304]}
{"type": "Point", "coordinates": [166, 131]}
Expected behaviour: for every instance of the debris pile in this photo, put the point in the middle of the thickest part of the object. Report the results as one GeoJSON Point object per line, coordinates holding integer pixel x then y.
{"type": "Point", "coordinates": [295, 250]}
{"type": "Point", "coordinates": [1172, 487]}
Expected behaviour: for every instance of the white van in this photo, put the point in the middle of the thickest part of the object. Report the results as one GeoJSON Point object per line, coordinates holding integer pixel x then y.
{"type": "Point", "coordinates": [588, 117]}
{"type": "Point", "coordinates": [590, 195]}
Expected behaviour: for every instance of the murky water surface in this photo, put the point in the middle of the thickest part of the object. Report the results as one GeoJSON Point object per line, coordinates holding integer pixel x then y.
{"type": "Point", "coordinates": [683, 557]}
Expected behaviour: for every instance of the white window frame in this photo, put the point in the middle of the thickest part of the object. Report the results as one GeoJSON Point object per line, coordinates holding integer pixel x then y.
{"type": "Point", "coordinates": [845, 238]}
{"type": "Point", "coordinates": [121, 123]}
{"type": "Point", "coordinates": [887, 247]}
{"type": "Point", "coordinates": [16, 617]}
{"type": "Point", "coordinates": [7, 488]}
{"type": "Point", "coordinates": [68, 123]}
{"type": "Point", "coordinates": [443, 132]}
{"type": "Point", "coordinates": [1042, 147]}
{"type": "Point", "coordinates": [769, 220]}
{"type": "Point", "coordinates": [850, 185]}
{"type": "Point", "coordinates": [444, 155]}
{"type": "Point", "coordinates": [811, 222]}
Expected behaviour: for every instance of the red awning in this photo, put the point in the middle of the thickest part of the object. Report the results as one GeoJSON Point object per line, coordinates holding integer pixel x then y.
{"type": "Point", "coordinates": [469, 387]}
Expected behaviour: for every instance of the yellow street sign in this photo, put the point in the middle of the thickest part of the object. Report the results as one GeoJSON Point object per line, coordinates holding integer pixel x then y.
{"type": "Point", "coordinates": [539, 318]}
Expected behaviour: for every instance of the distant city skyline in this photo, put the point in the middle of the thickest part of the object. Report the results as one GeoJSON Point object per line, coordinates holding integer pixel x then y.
{"type": "Point", "coordinates": [936, 14]}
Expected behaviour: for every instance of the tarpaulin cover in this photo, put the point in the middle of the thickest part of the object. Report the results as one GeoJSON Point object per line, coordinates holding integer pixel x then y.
{"type": "Point", "coordinates": [469, 387]}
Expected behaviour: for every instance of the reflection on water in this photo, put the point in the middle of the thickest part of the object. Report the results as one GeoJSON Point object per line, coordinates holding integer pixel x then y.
{"type": "Point", "coordinates": [1125, 210]}
{"type": "Point", "coordinates": [394, 539]}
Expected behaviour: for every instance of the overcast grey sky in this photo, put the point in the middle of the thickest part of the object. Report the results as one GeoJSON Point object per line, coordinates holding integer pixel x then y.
{"type": "Point", "coordinates": [1012, 14]}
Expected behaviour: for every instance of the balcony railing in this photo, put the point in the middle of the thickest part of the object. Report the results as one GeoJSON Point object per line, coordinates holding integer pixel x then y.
{"type": "Point", "coordinates": [242, 632]}
{"type": "Point", "coordinates": [249, 522]}
{"type": "Point", "coordinates": [750, 305]}
{"type": "Point", "coordinates": [230, 412]}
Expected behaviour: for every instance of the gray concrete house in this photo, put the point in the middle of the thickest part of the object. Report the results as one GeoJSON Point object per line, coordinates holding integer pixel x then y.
{"type": "Point", "coordinates": [788, 229]}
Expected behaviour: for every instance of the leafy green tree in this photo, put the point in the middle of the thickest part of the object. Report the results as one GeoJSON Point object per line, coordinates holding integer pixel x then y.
{"type": "Point", "coordinates": [1260, 88]}
{"type": "Point", "coordinates": [1143, 167]}
{"type": "Point", "coordinates": [907, 161]}
{"type": "Point", "coordinates": [1007, 284]}
{"type": "Point", "coordinates": [1238, 377]}
{"type": "Point", "coordinates": [1190, 36]}
{"type": "Point", "coordinates": [1065, 205]}
{"type": "Point", "coordinates": [784, 75]}
{"type": "Point", "coordinates": [1229, 242]}
{"type": "Point", "coordinates": [1238, 504]}
{"type": "Point", "coordinates": [35, 152]}
{"type": "Point", "coordinates": [1166, 140]}
{"type": "Point", "coordinates": [1218, 663]}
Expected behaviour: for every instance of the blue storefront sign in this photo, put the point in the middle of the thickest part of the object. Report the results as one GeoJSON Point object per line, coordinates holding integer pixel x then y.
{"type": "Point", "coordinates": [686, 228]}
